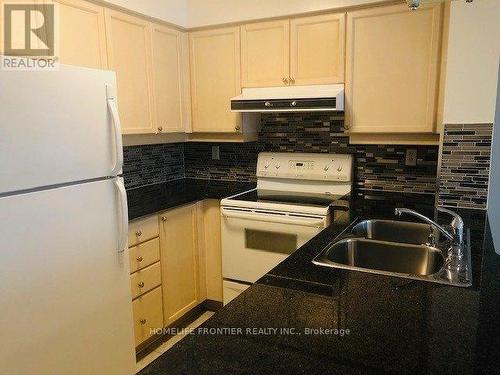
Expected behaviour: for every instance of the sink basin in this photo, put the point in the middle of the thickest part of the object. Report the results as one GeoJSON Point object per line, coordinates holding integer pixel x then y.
{"type": "Point", "coordinates": [382, 257]}
{"type": "Point", "coordinates": [397, 248]}
{"type": "Point", "coordinates": [393, 231]}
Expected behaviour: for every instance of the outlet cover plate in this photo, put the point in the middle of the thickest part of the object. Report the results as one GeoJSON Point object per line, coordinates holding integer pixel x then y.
{"type": "Point", "coordinates": [215, 153]}
{"type": "Point", "coordinates": [411, 157]}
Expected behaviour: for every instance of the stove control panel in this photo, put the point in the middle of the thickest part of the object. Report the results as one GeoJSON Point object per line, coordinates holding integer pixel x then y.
{"type": "Point", "coordinates": [320, 167]}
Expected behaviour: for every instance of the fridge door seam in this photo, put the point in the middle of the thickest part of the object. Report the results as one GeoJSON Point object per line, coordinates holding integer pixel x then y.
{"type": "Point", "coordinates": [55, 186]}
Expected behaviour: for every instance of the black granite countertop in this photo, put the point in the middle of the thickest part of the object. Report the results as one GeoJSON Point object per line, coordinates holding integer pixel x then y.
{"type": "Point", "coordinates": [304, 319]}
{"type": "Point", "coordinates": [155, 198]}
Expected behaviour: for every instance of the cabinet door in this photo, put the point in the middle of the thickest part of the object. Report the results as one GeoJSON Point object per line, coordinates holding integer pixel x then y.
{"type": "Point", "coordinates": [265, 54]}
{"type": "Point", "coordinates": [317, 49]}
{"type": "Point", "coordinates": [215, 79]}
{"type": "Point", "coordinates": [210, 249]}
{"type": "Point", "coordinates": [392, 69]}
{"type": "Point", "coordinates": [179, 260]}
{"type": "Point", "coordinates": [82, 37]}
{"type": "Point", "coordinates": [129, 55]}
{"type": "Point", "coordinates": [167, 78]}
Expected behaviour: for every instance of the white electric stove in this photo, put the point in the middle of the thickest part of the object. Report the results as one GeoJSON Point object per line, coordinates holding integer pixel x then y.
{"type": "Point", "coordinates": [290, 205]}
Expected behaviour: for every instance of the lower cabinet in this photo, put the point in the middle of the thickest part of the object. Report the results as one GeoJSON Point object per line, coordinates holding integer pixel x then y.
{"type": "Point", "coordinates": [175, 264]}
{"type": "Point", "coordinates": [210, 250]}
{"type": "Point", "coordinates": [179, 254]}
{"type": "Point", "coordinates": [145, 277]}
{"type": "Point", "coordinates": [148, 314]}
{"type": "Point", "coordinates": [145, 280]}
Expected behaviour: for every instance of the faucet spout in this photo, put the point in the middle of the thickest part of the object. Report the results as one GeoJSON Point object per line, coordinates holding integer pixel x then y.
{"type": "Point", "coordinates": [401, 211]}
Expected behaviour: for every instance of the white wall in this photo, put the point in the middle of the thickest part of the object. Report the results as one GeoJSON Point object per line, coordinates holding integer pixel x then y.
{"type": "Point", "coordinates": [210, 12]}
{"type": "Point", "coordinates": [494, 190]}
{"type": "Point", "coordinates": [173, 11]}
{"type": "Point", "coordinates": [472, 66]}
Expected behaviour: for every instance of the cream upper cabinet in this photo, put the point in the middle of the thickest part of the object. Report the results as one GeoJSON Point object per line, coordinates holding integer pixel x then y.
{"type": "Point", "coordinates": [317, 49]}
{"type": "Point", "coordinates": [168, 79]}
{"type": "Point", "coordinates": [215, 79]}
{"type": "Point", "coordinates": [179, 260]}
{"type": "Point", "coordinates": [392, 66]}
{"type": "Point", "coordinates": [129, 55]}
{"type": "Point", "coordinates": [265, 53]}
{"type": "Point", "coordinates": [82, 36]}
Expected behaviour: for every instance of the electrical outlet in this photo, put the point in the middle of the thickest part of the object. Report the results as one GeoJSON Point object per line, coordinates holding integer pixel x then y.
{"type": "Point", "coordinates": [215, 153]}
{"type": "Point", "coordinates": [411, 157]}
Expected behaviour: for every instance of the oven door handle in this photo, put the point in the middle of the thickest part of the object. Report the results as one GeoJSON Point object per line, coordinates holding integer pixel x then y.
{"type": "Point", "coordinates": [281, 219]}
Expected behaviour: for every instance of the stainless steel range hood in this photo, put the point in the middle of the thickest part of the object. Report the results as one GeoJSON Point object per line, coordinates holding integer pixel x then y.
{"type": "Point", "coordinates": [290, 99]}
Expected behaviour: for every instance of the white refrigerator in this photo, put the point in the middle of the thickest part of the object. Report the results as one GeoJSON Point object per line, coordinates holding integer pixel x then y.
{"type": "Point", "coordinates": [65, 300]}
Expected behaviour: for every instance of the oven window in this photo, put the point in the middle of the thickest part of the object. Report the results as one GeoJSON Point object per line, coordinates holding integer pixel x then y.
{"type": "Point", "coordinates": [284, 243]}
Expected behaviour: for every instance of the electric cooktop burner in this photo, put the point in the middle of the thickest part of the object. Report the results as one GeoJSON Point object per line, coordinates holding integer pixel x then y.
{"type": "Point", "coordinates": [287, 197]}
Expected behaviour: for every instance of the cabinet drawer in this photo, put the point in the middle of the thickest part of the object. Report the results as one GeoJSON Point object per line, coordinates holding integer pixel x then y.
{"type": "Point", "coordinates": [146, 279]}
{"type": "Point", "coordinates": [144, 254]}
{"type": "Point", "coordinates": [142, 230]}
{"type": "Point", "coordinates": [148, 315]}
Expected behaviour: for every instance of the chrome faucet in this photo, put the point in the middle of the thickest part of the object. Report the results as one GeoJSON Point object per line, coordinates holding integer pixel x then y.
{"type": "Point", "coordinates": [457, 225]}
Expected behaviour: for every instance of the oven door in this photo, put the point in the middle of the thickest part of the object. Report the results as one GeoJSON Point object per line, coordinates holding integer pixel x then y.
{"type": "Point", "coordinates": [254, 241]}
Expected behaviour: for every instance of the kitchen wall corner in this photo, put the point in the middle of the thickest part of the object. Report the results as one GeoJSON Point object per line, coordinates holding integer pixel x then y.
{"type": "Point", "coordinates": [151, 164]}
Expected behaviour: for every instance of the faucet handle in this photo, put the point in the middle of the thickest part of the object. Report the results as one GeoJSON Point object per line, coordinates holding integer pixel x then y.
{"type": "Point", "coordinates": [457, 223]}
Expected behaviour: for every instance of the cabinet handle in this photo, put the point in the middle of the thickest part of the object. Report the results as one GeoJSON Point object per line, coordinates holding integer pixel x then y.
{"type": "Point", "coordinates": [292, 80]}
{"type": "Point", "coordinates": [143, 321]}
{"type": "Point", "coordinates": [163, 218]}
{"type": "Point", "coordinates": [237, 127]}
{"type": "Point", "coordinates": [160, 129]}
{"type": "Point", "coordinates": [139, 259]}
{"type": "Point", "coordinates": [285, 80]}
{"type": "Point", "coordinates": [141, 284]}
{"type": "Point", "coordinates": [138, 233]}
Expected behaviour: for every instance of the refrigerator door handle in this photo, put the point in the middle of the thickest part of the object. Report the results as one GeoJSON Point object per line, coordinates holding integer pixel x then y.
{"type": "Point", "coordinates": [113, 109]}
{"type": "Point", "coordinates": [123, 222]}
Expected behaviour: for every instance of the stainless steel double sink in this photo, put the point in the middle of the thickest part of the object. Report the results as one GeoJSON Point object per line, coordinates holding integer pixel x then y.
{"type": "Point", "coordinates": [394, 248]}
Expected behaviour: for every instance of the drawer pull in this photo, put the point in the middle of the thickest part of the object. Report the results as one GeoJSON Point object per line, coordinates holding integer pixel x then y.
{"type": "Point", "coordinates": [139, 259]}
{"type": "Point", "coordinates": [138, 233]}
{"type": "Point", "coordinates": [143, 321]}
{"type": "Point", "coordinates": [141, 284]}
{"type": "Point", "coordinates": [163, 218]}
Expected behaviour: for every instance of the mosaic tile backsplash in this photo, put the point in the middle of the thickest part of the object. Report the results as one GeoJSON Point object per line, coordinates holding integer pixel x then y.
{"type": "Point", "coordinates": [238, 161]}
{"type": "Point", "coordinates": [465, 165]}
{"type": "Point", "coordinates": [377, 167]}
{"type": "Point", "coordinates": [150, 164]}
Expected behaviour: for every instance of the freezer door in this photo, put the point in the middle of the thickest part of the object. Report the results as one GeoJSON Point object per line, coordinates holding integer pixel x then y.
{"type": "Point", "coordinates": [57, 127]}
{"type": "Point", "coordinates": [65, 289]}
